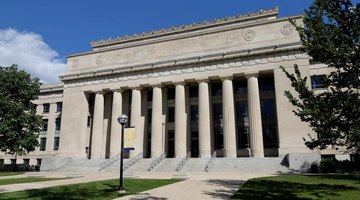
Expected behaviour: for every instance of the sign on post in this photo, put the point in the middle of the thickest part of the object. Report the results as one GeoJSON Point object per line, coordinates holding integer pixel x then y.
{"type": "Point", "coordinates": [129, 138]}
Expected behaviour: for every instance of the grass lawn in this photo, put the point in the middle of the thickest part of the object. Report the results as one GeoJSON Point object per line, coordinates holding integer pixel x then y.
{"type": "Point", "coordinates": [25, 180]}
{"type": "Point", "coordinates": [334, 187]}
{"type": "Point", "coordinates": [10, 173]}
{"type": "Point", "coordinates": [93, 190]}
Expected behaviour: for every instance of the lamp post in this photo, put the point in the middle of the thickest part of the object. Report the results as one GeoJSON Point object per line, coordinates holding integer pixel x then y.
{"type": "Point", "coordinates": [122, 119]}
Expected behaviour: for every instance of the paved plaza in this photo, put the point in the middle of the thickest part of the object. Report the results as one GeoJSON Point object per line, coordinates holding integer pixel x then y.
{"type": "Point", "coordinates": [219, 185]}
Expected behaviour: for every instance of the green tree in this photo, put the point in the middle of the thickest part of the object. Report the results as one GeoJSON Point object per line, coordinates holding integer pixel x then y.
{"type": "Point", "coordinates": [19, 124]}
{"type": "Point", "coordinates": [331, 35]}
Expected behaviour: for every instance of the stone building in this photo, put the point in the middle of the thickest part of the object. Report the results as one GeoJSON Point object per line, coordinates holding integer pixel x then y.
{"type": "Point", "coordinates": [213, 86]}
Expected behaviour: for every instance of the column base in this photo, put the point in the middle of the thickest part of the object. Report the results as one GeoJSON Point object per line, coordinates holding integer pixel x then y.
{"type": "Point", "coordinates": [258, 155]}
{"type": "Point", "coordinates": [205, 155]}
{"type": "Point", "coordinates": [231, 154]}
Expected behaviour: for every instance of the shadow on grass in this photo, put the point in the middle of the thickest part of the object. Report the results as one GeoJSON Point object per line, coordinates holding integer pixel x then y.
{"type": "Point", "coordinates": [268, 189]}
{"type": "Point", "coordinates": [229, 187]}
{"type": "Point", "coordinates": [99, 190]}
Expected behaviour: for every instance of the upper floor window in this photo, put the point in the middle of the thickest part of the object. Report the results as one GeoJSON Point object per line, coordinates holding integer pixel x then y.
{"type": "Point", "coordinates": [56, 143]}
{"type": "Point", "coordinates": [45, 125]}
{"type": "Point", "coordinates": [318, 81]}
{"type": "Point", "coordinates": [194, 91]}
{"type": "Point", "coordinates": [46, 108]}
{"type": "Point", "coordinates": [171, 93]}
{"type": "Point", "coordinates": [42, 144]}
{"type": "Point", "coordinates": [58, 106]}
{"type": "Point", "coordinates": [57, 124]}
{"type": "Point", "coordinates": [171, 114]}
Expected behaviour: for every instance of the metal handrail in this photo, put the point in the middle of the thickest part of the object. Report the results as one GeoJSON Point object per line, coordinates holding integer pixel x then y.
{"type": "Point", "coordinates": [210, 162]}
{"type": "Point", "coordinates": [109, 162]}
{"type": "Point", "coordinates": [133, 161]}
{"type": "Point", "coordinates": [116, 158]}
{"type": "Point", "coordinates": [157, 161]}
{"type": "Point", "coordinates": [183, 162]}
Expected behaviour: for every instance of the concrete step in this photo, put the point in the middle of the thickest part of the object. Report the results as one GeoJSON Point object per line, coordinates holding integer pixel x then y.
{"type": "Point", "coordinates": [168, 165]}
{"type": "Point", "coordinates": [248, 165]}
{"type": "Point", "coordinates": [195, 165]}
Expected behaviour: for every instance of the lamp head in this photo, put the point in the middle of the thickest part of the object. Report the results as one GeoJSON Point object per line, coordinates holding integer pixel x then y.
{"type": "Point", "coordinates": [122, 119]}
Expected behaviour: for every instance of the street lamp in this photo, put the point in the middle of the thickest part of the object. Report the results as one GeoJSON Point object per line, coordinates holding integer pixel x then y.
{"type": "Point", "coordinates": [122, 119]}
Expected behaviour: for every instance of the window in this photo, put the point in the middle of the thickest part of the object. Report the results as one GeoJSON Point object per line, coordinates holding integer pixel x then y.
{"type": "Point", "coordinates": [38, 161]}
{"type": "Point", "coordinates": [57, 124]}
{"type": "Point", "coordinates": [1, 162]}
{"type": "Point", "coordinates": [45, 125]}
{"type": "Point", "coordinates": [317, 81]}
{"type": "Point", "coordinates": [56, 143]}
{"type": "Point", "coordinates": [46, 108]}
{"type": "Point", "coordinates": [26, 162]}
{"type": "Point", "coordinates": [194, 113]}
{"type": "Point", "coordinates": [171, 93]}
{"type": "Point", "coordinates": [194, 91]}
{"type": "Point", "coordinates": [88, 123]}
{"type": "Point", "coordinates": [171, 114]}
{"type": "Point", "coordinates": [42, 144]}
{"type": "Point", "coordinates": [150, 95]}
{"type": "Point", "coordinates": [216, 89]}
{"type": "Point", "coordinates": [58, 106]}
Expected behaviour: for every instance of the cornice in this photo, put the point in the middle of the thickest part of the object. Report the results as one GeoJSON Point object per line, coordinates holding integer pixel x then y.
{"type": "Point", "coordinates": [253, 60]}
{"type": "Point", "coordinates": [193, 26]}
{"type": "Point", "coordinates": [51, 87]}
{"type": "Point", "coordinates": [180, 62]}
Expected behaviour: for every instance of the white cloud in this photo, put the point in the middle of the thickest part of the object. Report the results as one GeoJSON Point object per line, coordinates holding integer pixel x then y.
{"type": "Point", "coordinates": [30, 53]}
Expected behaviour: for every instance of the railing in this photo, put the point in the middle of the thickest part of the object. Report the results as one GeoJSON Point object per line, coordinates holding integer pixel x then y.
{"type": "Point", "coordinates": [116, 158]}
{"type": "Point", "coordinates": [183, 162]}
{"type": "Point", "coordinates": [109, 162]}
{"type": "Point", "coordinates": [133, 161]}
{"type": "Point", "coordinates": [211, 162]}
{"type": "Point", "coordinates": [157, 161]}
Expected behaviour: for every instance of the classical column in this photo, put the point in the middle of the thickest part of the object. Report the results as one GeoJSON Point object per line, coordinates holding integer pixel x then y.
{"type": "Point", "coordinates": [229, 118]}
{"type": "Point", "coordinates": [115, 138]}
{"type": "Point", "coordinates": [136, 121]}
{"type": "Point", "coordinates": [156, 122]}
{"type": "Point", "coordinates": [97, 129]}
{"type": "Point", "coordinates": [204, 120]}
{"type": "Point", "coordinates": [180, 121]}
{"type": "Point", "coordinates": [255, 125]}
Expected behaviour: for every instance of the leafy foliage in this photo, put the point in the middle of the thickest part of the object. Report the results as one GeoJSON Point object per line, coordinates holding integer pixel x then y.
{"type": "Point", "coordinates": [331, 35]}
{"type": "Point", "coordinates": [19, 123]}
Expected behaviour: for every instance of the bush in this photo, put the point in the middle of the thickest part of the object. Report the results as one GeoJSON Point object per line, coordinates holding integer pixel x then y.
{"type": "Point", "coordinates": [328, 166]}
{"type": "Point", "coordinates": [335, 166]}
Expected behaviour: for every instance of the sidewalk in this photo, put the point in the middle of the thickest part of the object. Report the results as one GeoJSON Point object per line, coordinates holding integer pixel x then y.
{"type": "Point", "coordinates": [201, 185]}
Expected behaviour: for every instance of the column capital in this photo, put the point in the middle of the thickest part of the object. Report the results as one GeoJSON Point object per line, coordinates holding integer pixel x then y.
{"type": "Point", "coordinates": [117, 90]}
{"type": "Point", "coordinates": [98, 92]}
{"type": "Point", "coordinates": [203, 80]}
{"type": "Point", "coordinates": [222, 78]}
{"type": "Point", "coordinates": [157, 86]}
{"type": "Point", "coordinates": [136, 88]}
{"type": "Point", "coordinates": [252, 74]}
{"type": "Point", "coordinates": [179, 83]}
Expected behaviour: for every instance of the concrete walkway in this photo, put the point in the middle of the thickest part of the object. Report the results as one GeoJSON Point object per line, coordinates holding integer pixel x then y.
{"type": "Point", "coordinates": [201, 185]}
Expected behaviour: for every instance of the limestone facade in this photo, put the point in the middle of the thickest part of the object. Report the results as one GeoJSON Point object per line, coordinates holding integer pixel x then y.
{"type": "Point", "coordinates": [207, 87]}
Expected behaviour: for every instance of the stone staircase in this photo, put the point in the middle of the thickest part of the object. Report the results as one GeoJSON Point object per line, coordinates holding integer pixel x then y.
{"type": "Point", "coordinates": [195, 165]}
{"type": "Point", "coordinates": [246, 164]}
{"type": "Point", "coordinates": [168, 165]}
{"type": "Point", "coordinates": [268, 164]}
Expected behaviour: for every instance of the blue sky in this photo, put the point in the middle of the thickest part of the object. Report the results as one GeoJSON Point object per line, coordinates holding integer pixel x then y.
{"type": "Point", "coordinates": [64, 27]}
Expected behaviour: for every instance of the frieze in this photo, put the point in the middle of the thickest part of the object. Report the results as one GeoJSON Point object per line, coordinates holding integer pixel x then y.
{"type": "Point", "coordinates": [249, 35]}
{"type": "Point", "coordinates": [191, 69]}
{"type": "Point", "coordinates": [287, 29]}
{"type": "Point", "coordinates": [183, 27]}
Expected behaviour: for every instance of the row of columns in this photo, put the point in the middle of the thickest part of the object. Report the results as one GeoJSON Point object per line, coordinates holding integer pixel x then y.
{"type": "Point", "coordinates": [205, 144]}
